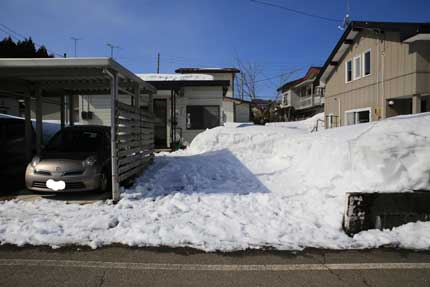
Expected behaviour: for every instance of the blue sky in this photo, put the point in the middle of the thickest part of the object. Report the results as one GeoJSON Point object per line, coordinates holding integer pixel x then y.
{"type": "Point", "coordinates": [200, 33]}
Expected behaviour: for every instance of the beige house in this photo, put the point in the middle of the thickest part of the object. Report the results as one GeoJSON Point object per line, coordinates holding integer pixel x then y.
{"type": "Point", "coordinates": [377, 70]}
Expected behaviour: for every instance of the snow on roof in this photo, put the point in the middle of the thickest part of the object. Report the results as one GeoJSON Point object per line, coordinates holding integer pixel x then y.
{"type": "Point", "coordinates": [6, 116]}
{"type": "Point", "coordinates": [175, 77]}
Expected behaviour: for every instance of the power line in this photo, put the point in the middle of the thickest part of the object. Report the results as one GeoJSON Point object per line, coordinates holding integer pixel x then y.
{"type": "Point", "coordinates": [297, 11]}
{"type": "Point", "coordinates": [10, 30]}
{"type": "Point", "coordinates": [278, 76]}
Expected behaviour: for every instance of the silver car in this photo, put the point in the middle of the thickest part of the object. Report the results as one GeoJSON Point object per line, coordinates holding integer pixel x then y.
{"type": "Point", "coordinates": [76, 159]}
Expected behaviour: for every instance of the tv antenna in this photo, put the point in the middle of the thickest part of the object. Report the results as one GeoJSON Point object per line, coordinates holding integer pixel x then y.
{"type": "Point", "coordinates": [112, 47]}
{"type": "Point", "coordinates": [346, 19]}
{"type": "Point", "coordinates": [76, 42]}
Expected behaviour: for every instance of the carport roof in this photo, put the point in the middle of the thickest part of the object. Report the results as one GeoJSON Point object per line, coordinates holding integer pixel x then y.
{"type": "Point", "coordinates": [78, 75]}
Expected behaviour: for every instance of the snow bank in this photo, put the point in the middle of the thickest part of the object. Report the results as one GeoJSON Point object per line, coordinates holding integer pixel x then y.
{"type": "Point", "coordinates": [248, 187]}
{"type": "Point", "coordinates": [175, 77]}
{"type": "Point", "coordinates": [308, 124]}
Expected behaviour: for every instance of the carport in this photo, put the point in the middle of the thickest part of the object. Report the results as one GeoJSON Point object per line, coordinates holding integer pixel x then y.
{"type": "Point", "coordinates": [131, 121]}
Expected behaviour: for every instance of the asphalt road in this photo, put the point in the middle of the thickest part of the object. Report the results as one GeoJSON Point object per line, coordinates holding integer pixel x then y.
{"type": "Point", "coordinates": [123, 266]}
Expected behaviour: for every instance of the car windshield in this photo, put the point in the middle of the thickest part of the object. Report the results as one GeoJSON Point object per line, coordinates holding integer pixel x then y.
{"type": "Point", "coordinates": [75, 141]}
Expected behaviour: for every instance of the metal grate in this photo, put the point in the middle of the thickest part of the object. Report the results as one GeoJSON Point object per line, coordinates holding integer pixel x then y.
{"type": "Point", "coordinates": [39, 184]}
{"type": "Point", "coordinates": [42, 172]}
{"type": "Point", "coordinates": [71, 173]}
{"type": "Point", "coordinates": [69, 185]}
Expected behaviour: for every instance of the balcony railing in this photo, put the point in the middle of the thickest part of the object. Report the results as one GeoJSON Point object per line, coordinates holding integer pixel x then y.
{"type": "Point", "coordinates": [302, 102]}
{"type": "Point", "coordinates": [307, 102]}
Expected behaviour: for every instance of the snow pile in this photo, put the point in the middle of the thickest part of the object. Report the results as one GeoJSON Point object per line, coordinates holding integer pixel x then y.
{"type": "Point", "coordinates": [175, 77]}
{"type": "Point", "coordinates": [248, 187]}
{"type": "Point", "coordinates": [237, 124]}
{"type": "Point", "coordinates": [308, 124]}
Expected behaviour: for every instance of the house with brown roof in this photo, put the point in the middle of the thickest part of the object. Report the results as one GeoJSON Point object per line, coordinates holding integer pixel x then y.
{"type": "Point", "coordinates": [377, 70]}
{"type": "Point", "coordinates": [301, 98]}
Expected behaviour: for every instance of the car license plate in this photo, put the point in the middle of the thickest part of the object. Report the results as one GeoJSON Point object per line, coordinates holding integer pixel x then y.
{"type": "Point", "coordinates": [55, 185]}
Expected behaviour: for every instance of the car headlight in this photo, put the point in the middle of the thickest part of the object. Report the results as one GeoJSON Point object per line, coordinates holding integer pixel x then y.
{"type": "Point", "coordinates": [90, 161]}
{"type": "Point", "coordinates": [35, 161]}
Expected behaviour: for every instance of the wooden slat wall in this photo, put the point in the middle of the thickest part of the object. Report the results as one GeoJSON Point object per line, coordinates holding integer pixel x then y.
{"type": "Point", "coordinates": [135, 140]}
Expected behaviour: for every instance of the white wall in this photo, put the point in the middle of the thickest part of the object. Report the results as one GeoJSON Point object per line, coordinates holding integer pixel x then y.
{"type": "Point", "coordinates": [242, 113]}
{"type": "Point", "coordinates": [225, 77]}
{"type": "Point", "coordinates": [100, 106]}
{"type": "Point", "coordinates": [228, 108]}
{"type": "Point", "coordinates": [196, 96]}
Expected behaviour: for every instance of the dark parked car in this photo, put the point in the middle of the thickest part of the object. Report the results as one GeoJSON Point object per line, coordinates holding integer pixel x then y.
{"type": "Point", "coordinates": [75, 159]}
{"type": "Point", "coordinates": [12, 153]}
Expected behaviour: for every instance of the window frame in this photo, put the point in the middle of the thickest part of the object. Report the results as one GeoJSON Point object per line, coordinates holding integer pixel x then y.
{"type": "Point", "coordinates": [364, 63]}
{"type": "Point", "coordinates": [354, 67]}
{"type": "Point", "coordinates": [346, 70]}
{"type": "Point", "coordinates": [202, 129]}
{"type": "Point", "coordinates": [369, 109]}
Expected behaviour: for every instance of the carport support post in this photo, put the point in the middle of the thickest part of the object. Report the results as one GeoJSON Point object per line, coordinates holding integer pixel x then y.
{"type": "Point", "coordinates": [71, 110]}
{"type": "Point", "coordinates": [28, 129]}
{"type": "Point", "coordinates": [62, 112]}
{"type": "Point", "coordinates": [39, 128]}
{"type": "Point", "coordinates": [113, 124]}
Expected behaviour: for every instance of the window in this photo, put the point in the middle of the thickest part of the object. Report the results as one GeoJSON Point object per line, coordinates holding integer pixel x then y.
{"type": "Point", "coordinates": [75, 141]}
{"type": "Point", "coordinates": [348, 71]}
{"type": "Point", "coordinates": [202, 117]}
{"type": "Point", "coordinates": [309, 91]}
{"type": "Point", "coordinates": [357, 67]}
{"type": "Point", "coordinates": [330, 121]}
{"type": "Point", "coordinates": [366, 63]}
{"type": "Point", "coordinates": [358, 116]}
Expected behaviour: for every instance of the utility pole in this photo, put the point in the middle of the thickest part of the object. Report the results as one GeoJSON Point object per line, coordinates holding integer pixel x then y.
{"type": "Point", "coordinates": [112, 47]}
{"type": "Point", "coordinates": [158, 63]}
{"type": "Point", "coordinates": [76, 42]}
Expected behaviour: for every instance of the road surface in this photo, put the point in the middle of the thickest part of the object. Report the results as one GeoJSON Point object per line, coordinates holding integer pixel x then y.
{"type": "Point", "coordinates": [125, 266]}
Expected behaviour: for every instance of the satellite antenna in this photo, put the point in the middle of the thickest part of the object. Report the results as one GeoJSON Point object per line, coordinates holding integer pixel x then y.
{"type": "Point", "coordinates": [346, 19]}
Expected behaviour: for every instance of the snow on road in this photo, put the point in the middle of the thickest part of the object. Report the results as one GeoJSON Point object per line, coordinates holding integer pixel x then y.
{"type": "Point", "coordinates": [248, 187]}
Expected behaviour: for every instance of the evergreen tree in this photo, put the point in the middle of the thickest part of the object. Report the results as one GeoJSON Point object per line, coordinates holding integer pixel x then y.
{"type": "Point", "coordinates": [22, 49]}
{"type": "Point", "coordinates": [7, 48]}
{"type": "Point", "coordinates": [26, 49]}
{"type": "Point", "coordinates": [42, 53]}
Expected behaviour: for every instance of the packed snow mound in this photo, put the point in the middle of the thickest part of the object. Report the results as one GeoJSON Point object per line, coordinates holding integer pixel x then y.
{"type": "Point", "coordinates": [307, 125]}
{"type": "Point", "coordinates": [248, 187]}
{"type": "Point", "coordinates": [175, 77]}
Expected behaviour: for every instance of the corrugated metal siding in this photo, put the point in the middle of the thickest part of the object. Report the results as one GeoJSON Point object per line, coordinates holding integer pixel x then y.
{"type": "Point", "coordinates": [422, 49]}
{"type": "Point", "coordinates": [397, 67]}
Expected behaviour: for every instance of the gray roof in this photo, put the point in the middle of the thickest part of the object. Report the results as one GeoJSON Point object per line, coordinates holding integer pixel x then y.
{"type": "Point", "coordinates": [77, 75]}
